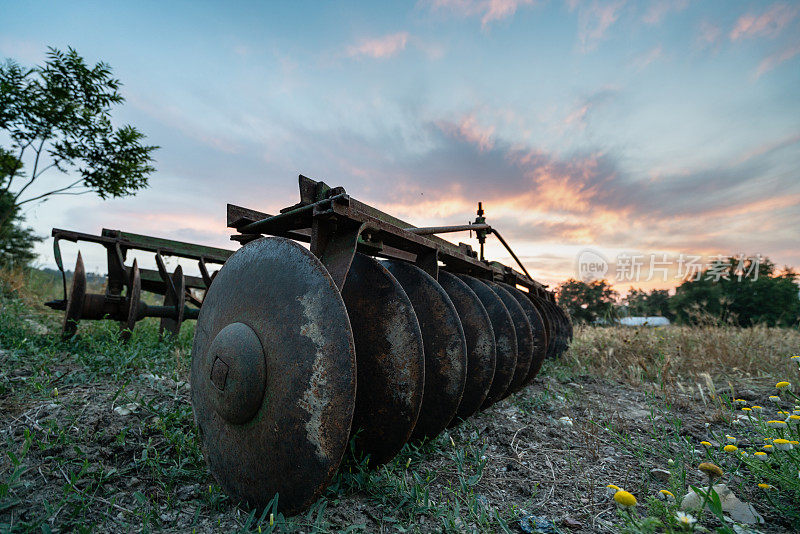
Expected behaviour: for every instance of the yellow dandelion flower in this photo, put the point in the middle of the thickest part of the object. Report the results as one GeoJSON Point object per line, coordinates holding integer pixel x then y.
{"type": "Point", "coordinates": [740, 401]}
{"type": "Point", "coordinates": [761, 455]}
{"type": "Point", "coordinates": [706, 444]}
{"type": "Point", "coordinates": [730, 439]}
{"type": "Point", "coordinates": [746, 409]}
{"type": "Point", "coordinates": [783, 413]}
{"type": "Point", "coordinates": [768, 448]}
{"type": "Point", "coordinates": [777, 424]}
{"type": "Point", "coordinates": [783, 385]}
{"type": "Point", "coordinates": [730, 448]}
{"type": "Point", "coordinates": [794, 442]}
{"type": "Point", "coordinates": [625, 499]}
{"type": "Point", "coordinates": [758, 409]}
{"type": "Point", "coordinates": [766, 486]}
{"type": "Point", "coordinates": [611, 489]}
{"type": "Point", "coordinates": [793, 419]}
{"type": "Point", "coordinates": [775, 398]}
{"type": "Point", "coordinates": [666, 495]}
{"type": "Point", "coordinates": [782, 444]}
{"type": "Point", "coordinates": [744, 454]}
{"type": "Point", "coordinates": [795, 357]}
{"type": "Point", "coordinates": [713, 471]}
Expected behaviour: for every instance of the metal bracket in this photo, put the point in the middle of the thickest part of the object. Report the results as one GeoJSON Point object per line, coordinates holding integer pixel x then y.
{"type": "Point", "coordinates": [334, 242]}
{"type": "Point", "coordinates": [429, 262]}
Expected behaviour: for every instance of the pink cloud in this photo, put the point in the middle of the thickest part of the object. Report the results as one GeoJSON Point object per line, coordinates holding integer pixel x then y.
{"type": "Point", "coordinates": [488, 10]}
{"type": "Point", "coordinates": [471, 131]}
{"type": "Point", "coordinates": [773, 60]}
{"type": "Point", "coordinates": [594, 20]}
{"type": "Point", "coordinates": [708, 34]}
{"type": "Point", "coordinates": [660, 8]}
{"type": "Point", "coordinates": [769, 24]}
{"type": "Point", "coordinates": [380, 47]}
{"type": "Point", "coordinates": [650, 56]}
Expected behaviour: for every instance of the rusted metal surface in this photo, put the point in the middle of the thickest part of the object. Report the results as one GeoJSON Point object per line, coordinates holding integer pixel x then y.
{"type": "Point", "coordinates": [131, 303]}
{"type": "Point", "coordinates": [390, 359]}
{"type": "Point", "coordinates": [176, 298]}
{"type": "Point", "coordinates": [444, 345]}
{"type": "Point", "coordinates": [293, 443]}
{"type": "Point", "coordinates": [524, 333]}
{"type": "Point", "coordinates": [74, 302]}
{"type": "Point", "coordinates": [505, 338]}
{"type": "Point", "coordinates": [481, 352]}
{"type": "Point", "coordinates": [537, 327]}
{"type": "Point", "coordinates": [113, 303]}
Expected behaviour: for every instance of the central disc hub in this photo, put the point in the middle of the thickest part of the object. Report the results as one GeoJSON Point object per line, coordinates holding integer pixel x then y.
{"type": "Point", "coordinates": [238, 373]}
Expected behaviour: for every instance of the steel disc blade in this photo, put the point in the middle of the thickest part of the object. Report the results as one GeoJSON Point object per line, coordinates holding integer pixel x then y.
{"type": "Point", "coordinates": [524, 333]}
{"type": "Point", "coordinates": [131, 306]}
{"type": "Point", "coordinates": [505, 338]}
{"type": "Point", "coordinates": [537, 326]}
{"type": "Point", "coordinates": [77, 292]}
{"type": "Point", "coordinates": [444, 345]}
{"type": "Point", "coordinates": [480, 343]}
{"type": "Point", "coordinates": [549, 323]}
{"type": "Point", "coordinates": [173, 324]}
{"type": "Point", "coordinates": [390, 359]}
{"type": "Point", "coordinates": [273, 375]}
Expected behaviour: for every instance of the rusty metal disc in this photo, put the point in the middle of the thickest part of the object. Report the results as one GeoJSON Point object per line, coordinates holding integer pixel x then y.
{"type": "Point", "coordinates": [549, 323]}
{"type": "Point", "coordinates": [77, 292]}
{"type": "Point", "coordinates": [555, 317]}
{"type": "Point", "coordinates": [524, 333]}
{"type": "Point", "coordinates": [390, 359]}
{"type": "Point", "coordinates": [444, 345]}
{"type": "Point", "coordinates": [480, 343]}
{"type": "Point", "coordinates": [131, 305]}
{"type": "Point", "coordinates": [273, 375]}
{"type": "Point", "coordinates": [505, 338]}
{"type": "Point", "coordinates": [537, 327]}
{"type": "Point", "coordinates": [173, 324]}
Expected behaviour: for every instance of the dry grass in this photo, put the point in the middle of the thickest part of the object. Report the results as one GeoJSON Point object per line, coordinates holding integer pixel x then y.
{"type": "Point", "coordinates": [674, 354]}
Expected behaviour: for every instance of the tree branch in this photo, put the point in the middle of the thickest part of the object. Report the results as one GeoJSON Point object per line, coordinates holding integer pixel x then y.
{"type": "Point", "coordinates": [55, 192]}
{"type": "Point", "coordinates": [34, 176]}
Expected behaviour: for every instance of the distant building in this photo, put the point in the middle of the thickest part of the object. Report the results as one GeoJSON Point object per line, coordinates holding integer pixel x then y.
{"type": "Point", "coordinates": [654, 320]}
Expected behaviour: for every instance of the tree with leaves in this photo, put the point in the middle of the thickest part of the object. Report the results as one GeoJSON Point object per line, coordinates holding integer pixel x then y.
{"type": "Point", "coordinates": [587, 302]}
{"type": "Point", "coordinates": [16, 240]}
{"type": "Point", "coordinates": [654, 303]}
{"type": "Point", "coordinates": [57, 119]}
{"type": "Point", "coordinates": [749, 294]}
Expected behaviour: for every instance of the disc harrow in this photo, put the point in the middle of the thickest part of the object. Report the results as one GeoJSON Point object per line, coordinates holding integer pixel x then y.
{"type": "Point", "coordinates": [376, 331]}
{"type": "Point", "coordinates": [181, 300]}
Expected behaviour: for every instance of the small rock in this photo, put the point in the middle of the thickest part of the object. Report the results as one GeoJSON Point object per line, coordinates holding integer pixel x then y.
{"type": "Point", "coordinates": [660, 474]}
{"type": "Point", "coordinates": [565, 421]}
{"type": "Point", "coordinates": [739, 511]}
{"type": "Point", "coordinates": [126, 409]}
{"type": "Point", "coordinates": [534, 524]}
{"type": "Point", "coordinates": [572, 524]}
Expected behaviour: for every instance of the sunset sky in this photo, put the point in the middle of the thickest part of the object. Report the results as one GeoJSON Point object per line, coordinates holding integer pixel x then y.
{"type": "Point", "coordinates": [634, 128]}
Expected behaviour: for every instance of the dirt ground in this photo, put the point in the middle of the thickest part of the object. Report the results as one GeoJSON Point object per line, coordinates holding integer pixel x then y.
{"type": "Point", "coordinates": [84, 461]}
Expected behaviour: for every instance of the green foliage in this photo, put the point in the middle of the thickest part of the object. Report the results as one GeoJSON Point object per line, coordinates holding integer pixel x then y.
{"type": "Point", "coordinates": [587, 302]}
{"type": "Point", "coordinates": [642, 303]}
{"type": "Point", "coordinates": [59, 115]}
{"type": "Point", "coordinates": [769, 298]}
{"type": "Point", "coordinates": [16, 241]}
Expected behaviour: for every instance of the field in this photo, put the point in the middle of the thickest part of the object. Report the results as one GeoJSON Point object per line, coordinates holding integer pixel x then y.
{"type": "Point", "coordinates": [98, 436]}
